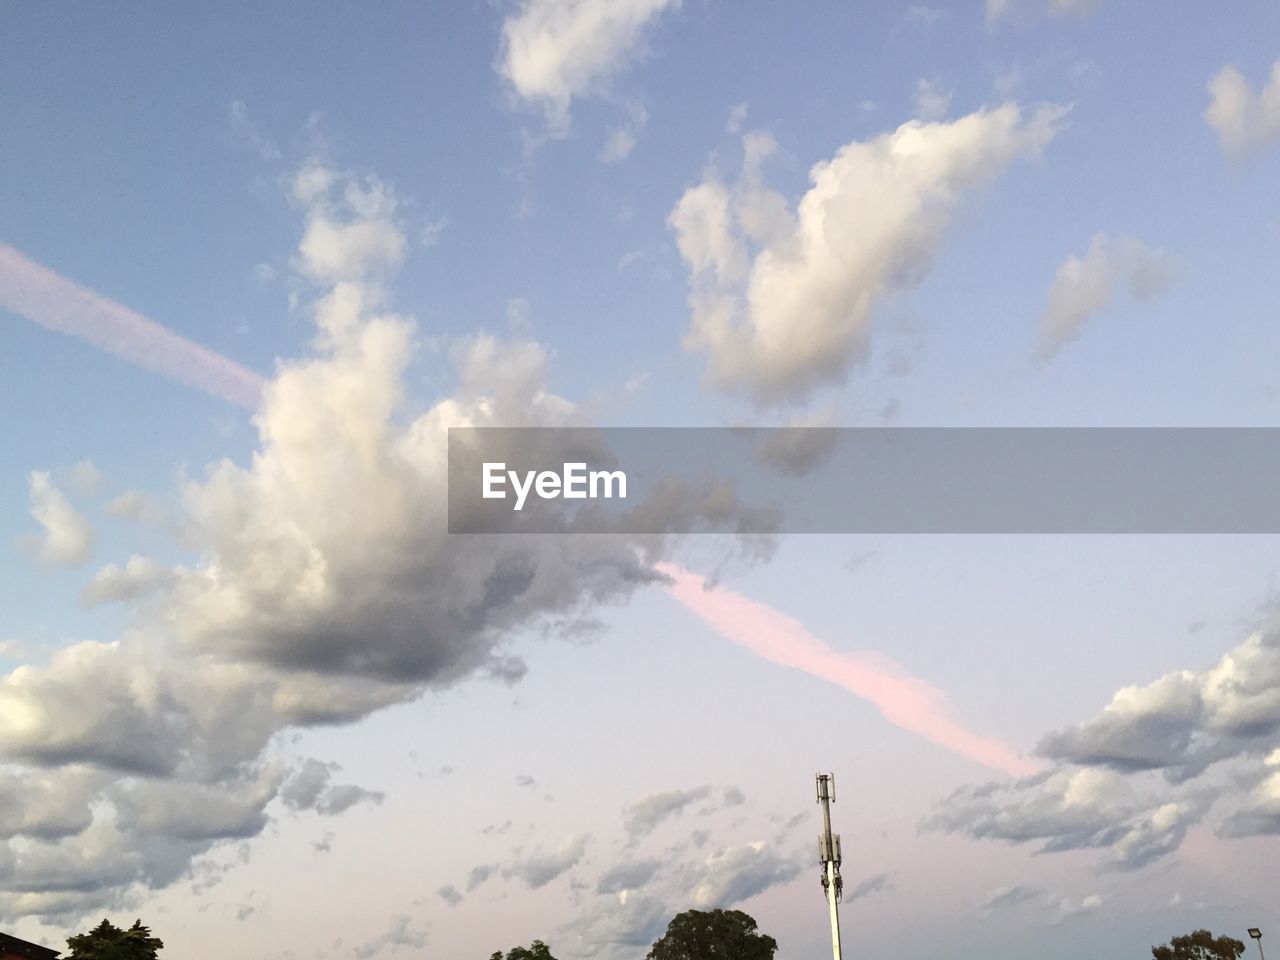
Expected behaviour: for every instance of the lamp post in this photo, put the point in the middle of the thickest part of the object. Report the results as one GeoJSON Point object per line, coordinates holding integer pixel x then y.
{"type": "Point", "coordinates": [1257, 935]}
{"type": "Point", "coordinates": [829, 855]}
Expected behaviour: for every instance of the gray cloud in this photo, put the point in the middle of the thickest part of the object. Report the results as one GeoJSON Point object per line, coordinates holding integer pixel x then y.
{"type": "Point", "coordinates": [874, 884]}
{"type": "Point", "coordinates": [537, 870]}
{"type": "Point", "coordinates": [631, 875]}
{"type": "Point", "coordinates": [399, 933]}
{"type": "Point", "coordinates": [645, 815]}
{"type": "Point", "coordinates": [1004, 898]}
{"type": "Point", "coordinates": [479, 874]}
{"type": "Point", "coordinates": [737, 873]}
{"type": "Point", "coordinates": [450, 895]}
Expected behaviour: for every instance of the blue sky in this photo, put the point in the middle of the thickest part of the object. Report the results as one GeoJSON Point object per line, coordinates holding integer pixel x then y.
{"type": "Point", "coordinates": [243, 665]}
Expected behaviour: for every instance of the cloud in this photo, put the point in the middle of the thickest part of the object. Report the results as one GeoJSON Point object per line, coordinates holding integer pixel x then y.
{"type": "Point", "coordinates": [479, 874]}
{"type": "Point", "coordinates": [1185, 721]}
{"type": "Point", "coordinates": [55, 303]}
{"type": "Point", "coordinates": [782, 300]}
{"type": "Point", "coordinates": [139, 577]}
{"type": "Point", "coordinates": [399, 933]}
{"type": "Point", "coordinates": [1243, 119]}
{"type": "Point", "coordinates": [631, 875]}
{"type": "Point", "coordinates": [1068, 908]}
{"type": "Point", "coordinates": [998, 9]}
{"type": "Point", "coordinates": [733, 797]}
{"type": "Point", "coordinates": [1074, 809]}
{"type": "Point", "coordinates": [904, 700]}
{"type": "Point", "coordinates": [540, 869]}
{"type": "Point", "coordinates": [644, 816]}
{"type": "Point", "coordinates": [325, 587]}
{"type": "Point", "coordinates": [623, 139]}
{"type": "Point", "coordinates": [310, 789]}
{"type": "Point", "coordinates": [450, 895]}
{"type": "Point", "coordinates": [554, 51]}
{"type": "Point", "coordinates": [875, 884]}
{"type": "Point", "coordinates": [85, 478]}
{"type": "Point", "coordinates": [739, 873]}
{"type": "Point", "coordinates": [1084, 287]}
{"type": "Point", "coordinates": [1133, 780]}
{"type": "Point", "coordinates": [67, 539]}
{"type": "Point", "coordinates": [1003, 898]}
{"type": "Point", "coordinates": [932, 103]}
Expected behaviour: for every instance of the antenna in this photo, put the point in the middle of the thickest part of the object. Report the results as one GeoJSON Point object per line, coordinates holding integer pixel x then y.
{"type": "Point", "coordinates": [829, 857]}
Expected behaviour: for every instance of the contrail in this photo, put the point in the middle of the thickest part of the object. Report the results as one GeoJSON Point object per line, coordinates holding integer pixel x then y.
{"type": "Point", "coordinates": [58, 304]}
{"type": "Point", "coordinates": [907, 701]}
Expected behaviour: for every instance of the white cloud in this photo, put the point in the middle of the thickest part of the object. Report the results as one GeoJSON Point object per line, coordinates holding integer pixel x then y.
{"type": "Point", "coordinates": [782, 302]}
{"type": "Point", "coordinates": [932, 102]}
{"type": "Point", "coordinates": [84, 478]}
{"type": "Point", "coordinates": [618, 146]}
{"type": "Point", "coordinates": [557, 50]}
{"type": "Point", "coordinates": [1085, 286]}
{"type": "Point", "coordinates": [67, 537]}
{"type": "Point", "coordinates": [1242, 118]}
{"type": "Point", "coordinates": [998, 9]}
{"type": "Point", "coordinates": [1068, 908]}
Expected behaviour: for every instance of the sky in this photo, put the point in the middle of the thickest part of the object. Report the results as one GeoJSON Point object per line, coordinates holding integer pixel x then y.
{"type": "Point", "coordinates": [255, 262]}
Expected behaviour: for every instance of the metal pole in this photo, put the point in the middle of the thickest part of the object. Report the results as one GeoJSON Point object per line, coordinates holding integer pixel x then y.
{"type": "Point", "coordinates": [1260, 953]}
{"type": "Point", "coordinates": [829, 853]}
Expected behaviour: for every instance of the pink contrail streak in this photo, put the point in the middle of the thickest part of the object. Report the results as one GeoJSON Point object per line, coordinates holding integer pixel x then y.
{"type": "Point", "coordinates": [58, 304]}
{"type": "Point", "coordinates": [907, 701]}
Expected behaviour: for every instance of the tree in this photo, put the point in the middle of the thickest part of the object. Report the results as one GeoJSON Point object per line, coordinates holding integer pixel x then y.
{"type": "Point", "coordinates": [108, 942]}
{"type": "Point", "coordinates": [1201, 945]}
{"type": "Point", "coordinates": [699, 935]}
{"type": "Point", "coordinates": [535, 951]}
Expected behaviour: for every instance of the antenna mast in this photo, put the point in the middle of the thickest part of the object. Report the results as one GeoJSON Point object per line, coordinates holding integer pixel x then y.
{"type": "Point", "coordinates": [829, 856]}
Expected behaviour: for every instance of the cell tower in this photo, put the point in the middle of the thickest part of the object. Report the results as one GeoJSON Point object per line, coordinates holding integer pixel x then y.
{"type": "Point", "coordinates": [829, 856]}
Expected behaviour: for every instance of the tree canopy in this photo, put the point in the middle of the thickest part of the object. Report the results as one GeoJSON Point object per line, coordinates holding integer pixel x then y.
{"type": "Point", "coordinates": [1201, 945]}
{"type": "Point", "coordinates": [535, 951]}
{"type": "Point", "coordinates": [702, 935]}
{"type": "Point", "coordinates": [106, 941]}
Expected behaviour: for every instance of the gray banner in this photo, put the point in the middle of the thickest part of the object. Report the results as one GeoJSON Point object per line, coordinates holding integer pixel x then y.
{"type": "Point", "coordinates": [872, 480]}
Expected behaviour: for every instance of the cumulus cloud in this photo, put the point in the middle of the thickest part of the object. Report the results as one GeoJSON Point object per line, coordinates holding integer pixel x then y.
{"type": "Point", "coordinates": [1074, 809]}
{"type": "Point", "coordinates": [555, 51]}
{"type": "Point", "coordinates": [66, 538]}
{"type": "Point", "coordinates": [1086, 285]}
{"type": "Point", "coordinates": [1243, 118]}
{"type": "Point", "coordinates": [450, 895]}
{"type": "Point", "coordinates": [325, 587]}
{"type": "Point", "coordinates": [1133, 780]}
{"type": "Point", "coordinates": [782, 300]}
{"type": "Point", "coordinates": [644, 816]}
{"type": "Point", "coordinates": [114, 584]}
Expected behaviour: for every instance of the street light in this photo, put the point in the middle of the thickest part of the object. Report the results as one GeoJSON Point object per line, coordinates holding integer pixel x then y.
{"type": "Point", "coordinates": [1257, 935]}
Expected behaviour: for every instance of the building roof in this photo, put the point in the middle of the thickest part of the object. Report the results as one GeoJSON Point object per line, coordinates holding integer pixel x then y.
{"type": "Point", "coordinates": [12, 946]}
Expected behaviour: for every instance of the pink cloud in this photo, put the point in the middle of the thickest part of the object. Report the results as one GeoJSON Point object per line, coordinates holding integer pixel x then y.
{"type": "Point", "coordinates": [904, 700]}
{"type": "Point", "coordinates": [56, 303]}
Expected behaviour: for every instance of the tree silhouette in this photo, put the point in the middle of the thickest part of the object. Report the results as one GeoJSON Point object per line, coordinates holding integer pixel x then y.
{"type": "Point", "coordinates": [108, 942]}
{"type": "Point", "coordinates": [699, 935]}
{"type": "Point", "coordinates": [535, 951]}
{"type": "Point", "coordinates": [1201, 945]}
